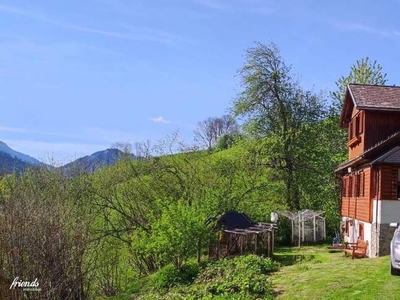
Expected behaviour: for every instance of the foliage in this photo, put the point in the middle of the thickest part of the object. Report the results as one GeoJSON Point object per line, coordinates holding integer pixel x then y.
{"type": "Point", "coordinates": [227, 140]}
{"type": "Point", "coordinates": [169, 276]}
{"type": "Point", "coordinates": [175, 236]}
{"type": "Point", "coordinates": [102, 234]}
{"type": "Point", "coordinates": [277, 108]}
{"type": "Point", "coordinates": [208, 131]}
{"type": "Point", "coordinates": [242, 277]}
{"type": "Point", "coordinates": [44, 223]}
{"type": "Point", "coordinates": [363, 71]}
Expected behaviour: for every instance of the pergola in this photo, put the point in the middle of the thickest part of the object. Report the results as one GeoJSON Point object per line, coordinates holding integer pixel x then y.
{"type": "Point", "coordinates": [307, 226]}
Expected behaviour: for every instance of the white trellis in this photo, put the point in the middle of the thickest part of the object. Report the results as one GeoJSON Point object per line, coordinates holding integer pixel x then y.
{"type": "Point", "coordinates": [307, 226]}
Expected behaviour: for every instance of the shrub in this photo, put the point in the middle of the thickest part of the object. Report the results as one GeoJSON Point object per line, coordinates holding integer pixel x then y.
{"type": "Point", "coordinates": [243, 277]}
{"type": "Point", "coordinates": [169, 276]}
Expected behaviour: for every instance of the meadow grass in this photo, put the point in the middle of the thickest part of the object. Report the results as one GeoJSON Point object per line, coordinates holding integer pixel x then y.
{"type": "Point", "coordinates": [313, 272]}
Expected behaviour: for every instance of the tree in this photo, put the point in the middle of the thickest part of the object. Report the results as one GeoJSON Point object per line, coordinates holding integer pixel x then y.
{"type": "Point", "coordinates": [45, 220]}
{"type": "Point", "coordinates": [143, 149]}
{"type": "Point", "coordinates": [277, 109]}
{"type": "Point", "coordinates": [175, 235]}
{"type": "Point", "coordinates": [363, 71]}
{"type": "Point", "coordinates": [208, 131]}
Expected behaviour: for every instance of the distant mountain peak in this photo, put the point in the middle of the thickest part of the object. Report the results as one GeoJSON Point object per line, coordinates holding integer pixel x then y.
{"type": "Point", "coordinates": [97, 160]}
{"type": "Point", "coordinates": [18, 155]}
{"type": "Point", "coordinates": [11, 160]}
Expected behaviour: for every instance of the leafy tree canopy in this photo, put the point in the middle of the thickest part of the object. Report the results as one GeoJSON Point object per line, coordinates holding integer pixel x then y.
{"type": "Point", "coordinates": [363, 71]}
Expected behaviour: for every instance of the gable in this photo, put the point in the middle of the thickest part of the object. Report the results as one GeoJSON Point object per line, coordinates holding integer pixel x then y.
{"type": "Point", "coordinates": [369, 97]}
{"type": "Point", "coordinates": [347, 110]}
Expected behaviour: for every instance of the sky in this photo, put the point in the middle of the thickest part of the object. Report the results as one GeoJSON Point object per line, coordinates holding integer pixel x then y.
{"type": "Point", "coordinates": [79, 76]}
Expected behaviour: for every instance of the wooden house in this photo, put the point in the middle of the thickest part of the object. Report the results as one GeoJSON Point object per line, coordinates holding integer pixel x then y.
{"type": "Point", "coordinates": [371, 177]}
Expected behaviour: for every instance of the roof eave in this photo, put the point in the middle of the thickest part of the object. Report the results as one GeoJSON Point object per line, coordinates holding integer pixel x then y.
{"type": "Point", "coordinates": [355, 161]}
{"type": "Point", "coordinates": [348, 93]}
{"type": "Point", "coordinates": [378, 108]}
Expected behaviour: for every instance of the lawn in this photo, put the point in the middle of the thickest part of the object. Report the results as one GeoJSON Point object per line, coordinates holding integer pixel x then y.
{"type": "Point", "coordinates": [315, 273]}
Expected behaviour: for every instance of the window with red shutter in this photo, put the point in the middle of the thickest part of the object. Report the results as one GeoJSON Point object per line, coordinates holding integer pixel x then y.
{"type": "Point", "coordinates": [350, 186]}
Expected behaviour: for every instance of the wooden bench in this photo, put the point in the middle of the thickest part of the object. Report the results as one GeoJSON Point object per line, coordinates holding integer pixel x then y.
{"type": "Point", "coordinates": [358, 249]}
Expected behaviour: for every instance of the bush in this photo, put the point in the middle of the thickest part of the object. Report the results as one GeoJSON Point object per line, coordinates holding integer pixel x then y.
{"type": "Point", "coordinates": [169, 276]}
{"type": "Point", "coordinates": [243, 277]}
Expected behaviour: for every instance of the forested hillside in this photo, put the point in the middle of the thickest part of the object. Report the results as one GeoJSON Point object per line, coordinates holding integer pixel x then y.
{"type": "Point", "coordinates": [100, 234]}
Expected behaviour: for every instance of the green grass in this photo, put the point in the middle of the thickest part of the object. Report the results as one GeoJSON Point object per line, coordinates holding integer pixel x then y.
{"type": "Point", "coordinates": [314, 273]}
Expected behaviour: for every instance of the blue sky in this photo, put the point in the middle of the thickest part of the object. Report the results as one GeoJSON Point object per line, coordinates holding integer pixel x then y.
{"type": "Point", "coordinates": [78, 76]}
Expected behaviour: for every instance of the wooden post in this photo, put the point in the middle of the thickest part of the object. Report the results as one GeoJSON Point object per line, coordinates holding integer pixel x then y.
{"type": "Point", "coordinates": [241, 244]}
{"type": "Point", "coordinates": [272, 232]}
{"type": "Point", "coordinates": [299, 229]}
{"type": "Point", "coordinates": [269, 244]}
{"type": "Point", "coordinates": [315, 233]}
{"type": "Point", "coordinates": [292, 232]}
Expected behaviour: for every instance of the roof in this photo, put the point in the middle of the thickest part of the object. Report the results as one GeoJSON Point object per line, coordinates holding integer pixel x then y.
{"type": "Point", "coordinates": [391, 157]}
{"type": "Point", "coordinates": [369, 97]}
{"type": "Point", "coordinates": [233, 219]}
{"type": "Point", "coordinates": [375, 96]}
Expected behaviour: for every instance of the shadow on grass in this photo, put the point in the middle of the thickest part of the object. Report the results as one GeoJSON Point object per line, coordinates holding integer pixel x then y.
{"type": "Point", "coordinates": [288, 256]}
{"type": "Point", "coordinates": [292, 259]}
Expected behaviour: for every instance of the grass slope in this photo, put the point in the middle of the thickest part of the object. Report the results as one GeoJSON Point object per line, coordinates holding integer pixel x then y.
{"type": "Point", "coordinates": [314, 273]}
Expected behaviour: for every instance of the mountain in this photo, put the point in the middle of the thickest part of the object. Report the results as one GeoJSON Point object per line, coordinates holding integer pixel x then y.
{"type": "Point", "coordinates": [11, 160]}
{"type": "Point", "coordinates": [9, 164]}
{"type": "Point", "coordinates": [18, 155]}
{"type": "Point", "coordinates": [91, 163]}
{"type": "Point", "coordinates": [14, 161]}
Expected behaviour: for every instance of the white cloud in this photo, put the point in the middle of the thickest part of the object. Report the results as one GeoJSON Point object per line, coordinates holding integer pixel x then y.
{"type": "Point", "coordinates": [160, 119]}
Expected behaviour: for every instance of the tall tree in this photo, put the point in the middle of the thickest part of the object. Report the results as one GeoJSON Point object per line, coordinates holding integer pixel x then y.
{"type": "Point", "coordinates": [209, 130]}
{"type": "Point", "coordinates": [276, 107]}
{"type": "Point", "coordinates": [363, 71]}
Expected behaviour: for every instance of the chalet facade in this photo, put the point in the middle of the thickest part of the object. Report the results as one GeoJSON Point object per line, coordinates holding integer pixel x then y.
{"type": "Point", "coordinates": [371, 177]}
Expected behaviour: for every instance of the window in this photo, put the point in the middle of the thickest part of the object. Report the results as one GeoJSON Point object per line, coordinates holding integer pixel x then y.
{"type": "Point", "coordinates": [360, 184]}
{"type": "Point", "coordinates": [361, 231]}
{"type": "Point", "coordinates": [344, 186]}
{"type": "Point", "coordinates": [356, 125]}
{"type": "Point", "coordinates": [373, 183]}
{"type": "Point", "coordinates": [350, 186]}
{"type": "Point", "coordinates": [351, 135]}
{"type": "Point", "coordinates": [357, 129]}
{"type": "Point", "coordinates": [346, 229]}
